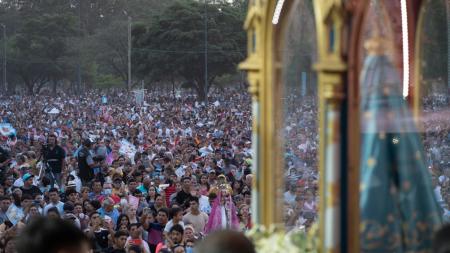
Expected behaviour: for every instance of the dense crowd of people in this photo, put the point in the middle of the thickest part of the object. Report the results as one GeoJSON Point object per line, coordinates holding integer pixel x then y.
{"type": "Point", "coordinates": [161, 174]}
{"type": "Point", "coordinates": [142, 178]}
{"type": "Point", "coordinates": [436, 139]}
{"type": "Point", "coordinates": [300, 137]}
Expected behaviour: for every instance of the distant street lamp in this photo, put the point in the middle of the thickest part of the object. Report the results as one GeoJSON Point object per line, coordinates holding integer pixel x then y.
{"type": "Point", "coordinates": [77, 4]}
{"type": "Point", "coordinates": [205, 88]}
{"type": "Point", "coordinates": [4, 57]}
{"type": "Point", "coordinates": [129, 53]}
{"type": "Point", "coordinates": [129, 50]}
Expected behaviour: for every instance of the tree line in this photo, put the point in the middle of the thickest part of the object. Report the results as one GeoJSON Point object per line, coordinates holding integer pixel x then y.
{"type": "Point", "coordinates": [82, 44]}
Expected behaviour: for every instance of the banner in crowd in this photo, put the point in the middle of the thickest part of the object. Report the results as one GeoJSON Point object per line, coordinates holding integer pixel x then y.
{"type": "Point", "coordinates": [127, 149]}
{"type": "Point", "coordinates": [134, 201]}
{"type": "Point", "coordinates": [7, 129]}
{"type": "Point", "coordinates": [14, 214]}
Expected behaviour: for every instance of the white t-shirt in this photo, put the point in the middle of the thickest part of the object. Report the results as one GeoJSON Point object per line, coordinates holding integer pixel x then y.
{"type": "Point", "coordinates": [170, 224]}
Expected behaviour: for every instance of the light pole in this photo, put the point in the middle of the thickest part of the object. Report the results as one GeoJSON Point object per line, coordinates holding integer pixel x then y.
{"type": "Point", "coordinates": [129, 50]}
{"type": "Point", "coordinates": [4, 57]}
{"type": "Point", "coordinates": [129, 53]}
{"type": "Point", "coordinates": [79, 80]}
{"type": "Point", "coordinates": [205, 88]}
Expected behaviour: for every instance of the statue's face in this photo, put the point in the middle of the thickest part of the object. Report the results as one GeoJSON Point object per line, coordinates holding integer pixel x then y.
{"type": "Point", "coordinates": [225, 194]}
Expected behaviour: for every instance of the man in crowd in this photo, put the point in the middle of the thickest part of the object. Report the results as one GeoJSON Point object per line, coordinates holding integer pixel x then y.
{"type": "Point", "coordinates": [97, 188]}
{"type": "Point", "coordinates": [4, 205]}
{"type": "Point", "coordinates": [4, 161]}
{"type": "Point", "coordinates": [195, 217]}
{"type": "Point", "coordinates": [119, 241]}
{"type": "Point", "coordinates": [136, 238]}
{"type": "Point", "coordinates": [108, 209]}
{"type": "Point", "coordinates": [184, 195]}
{"type": "Point", "coordinates": [177, 218]}
{"type": "Point", "coordinates": [28, 187]}
{"type": "Point", "coordinates": [54, 202]}
{"type": "Point", "coordinates": [155, 230]}
{"type": "Point", "coordinates": [55, 156]}
{"type": "Point", "coordinates": [86, 162]}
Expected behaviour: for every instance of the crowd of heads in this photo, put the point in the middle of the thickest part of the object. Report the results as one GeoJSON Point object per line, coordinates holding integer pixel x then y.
{"type": "Point", "coordinates": [300, 139]}
{"type": "Point", "coordinates": [436, 139]}
{"type": "Point", "coordinates": [155, 175]}
{"type": "Point", "coordinates": [159, 175]}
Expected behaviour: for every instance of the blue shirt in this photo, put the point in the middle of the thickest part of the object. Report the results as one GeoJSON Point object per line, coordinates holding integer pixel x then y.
{"type": "Point", "coordinates": [114, 214]}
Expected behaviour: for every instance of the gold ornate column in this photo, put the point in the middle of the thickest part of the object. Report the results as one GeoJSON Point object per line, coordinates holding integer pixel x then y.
{"type": "Point", "coordinates": [331, 69]}
{"type": "Point", "coordinates": [253, 66]}
{"type": "Point", "coordinates": [263, 70]}
{"type": "Point", "coordinates": [266, 197]}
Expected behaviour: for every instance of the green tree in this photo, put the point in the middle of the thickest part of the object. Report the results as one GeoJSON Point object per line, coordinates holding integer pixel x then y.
{"type": "Point", "coordinates": [107, 44]}
{"type": "Point", "coordinates": [39, 50]}
{"type": "Point", "coordinates": [173, 46]}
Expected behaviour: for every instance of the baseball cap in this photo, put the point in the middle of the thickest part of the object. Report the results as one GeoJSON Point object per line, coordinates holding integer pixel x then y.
{"type": "Point", "coordinates": [27, 176]}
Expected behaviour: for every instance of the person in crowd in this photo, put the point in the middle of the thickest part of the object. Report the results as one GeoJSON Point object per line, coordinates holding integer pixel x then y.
{"type": "Point", "coordinates": [97, 233]}
{"type": "Point", "coordinates": [53, 213]}
{"type": "Point", "coordinates": [119, 242]}
{"type": "Point", "coordinates": [55, 156]}
{"type": "Point", "coordinates": [132, 214]}
{"type": "Point", "coordinates": [226, 241]}
{"type": "Point", "coordinates": [224, 213]}
{"type": "Point", "coordinates": [183, 196]}
{"type": "Point", "coordinates": [173, 240]}
{"type": "Point", "coordinates": [190, 234]}
{"type": "Point", "coordinates": [54, 198]}
{"type": "Point", "coordinates": [5, 202]}
{"type": "Point", "coordinates": [245, 220]}
{"type": "Point", "coordinates": [159, 203]}
{"type": "Point", "coordinates": [5, 159]}
{"type": "Point", "coordinates": [81, 216]}
{"type": "Point", "coordinates": [10, 244]}
{"type": "Point", "coordinates": [69, 215]}
{"type": "Point", "coordinates": [123, 222]}
{"type": "Point", "coordinates": [109, 210]}
{"type": "Point", "coordinates": [197, 218]}
{"type": "Point", "coordinates": [33, 213]}
{"type": "Point", "coordinates": [45, 235]}
{"type": "Point", "coordinates": [97, 190]}
{"type": "Point", "coordinates": [177, 218]}
{"type": "Point", "coordinates": [71, 195]}
{"type": "Point", "coordinates": [156, 230]}
{"type": "Point", "coordinates": [28, 187]}
{"type": "Point", "coordinates": [135, 238]}
{"type": "Point", "coordinates": [86, 162]}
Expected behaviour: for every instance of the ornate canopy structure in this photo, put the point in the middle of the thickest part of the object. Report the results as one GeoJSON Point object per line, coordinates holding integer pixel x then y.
{"type": "Point", "coordinates": [320, 46]}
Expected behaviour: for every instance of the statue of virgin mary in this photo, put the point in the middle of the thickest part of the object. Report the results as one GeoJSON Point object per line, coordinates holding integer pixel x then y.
{"type": "Point", "coordinates": [223, 213]}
